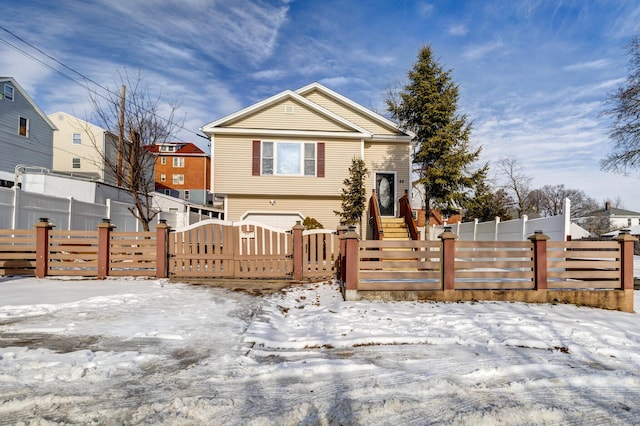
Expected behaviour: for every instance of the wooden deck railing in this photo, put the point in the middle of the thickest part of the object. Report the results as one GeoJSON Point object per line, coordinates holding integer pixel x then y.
{"type": "Point", "coordinates": [407, 214]}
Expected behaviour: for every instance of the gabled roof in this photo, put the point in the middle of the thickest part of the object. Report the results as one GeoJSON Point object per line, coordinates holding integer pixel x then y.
{"type": "Point", "coordinates": [216, 126]}
{"type": "Point", "coordinates": [31, 102]}
{"type": "Point", "coordinates": [612, 211]}
{"type": "Point", "coordinates": [182, 148]}
{"type": "Point", "coordinates": [385, 122]}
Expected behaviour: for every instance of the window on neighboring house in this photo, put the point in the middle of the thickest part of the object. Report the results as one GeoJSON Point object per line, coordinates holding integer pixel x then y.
{"type": "Point", "coordinates": [163, 160]}
{"type": "Point", "coordinates": [289, 158]}
{"type": "Point", "coordinates": [178, 179]}
{"type": "Point", "coordinates": [8, 92]}
{"type": "Point", "coordinates": [75, 163]}
{"type": "Point", "coordinates": [23, 130]}
{"type": "Point", "coordinates": [163, 177]}
{"type": "Point", "coordinates": [178, 162]}
{"type": "Point", "coordinates": [77, 139]}
{"type": "Point", "coordinates": [187, 193]}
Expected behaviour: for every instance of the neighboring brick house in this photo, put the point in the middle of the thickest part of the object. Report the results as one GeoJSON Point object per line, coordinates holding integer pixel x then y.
{"type": "Point", "coordinates": [183, 170]}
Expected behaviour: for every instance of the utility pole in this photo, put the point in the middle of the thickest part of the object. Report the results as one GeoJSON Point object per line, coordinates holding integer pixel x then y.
{"type": "Point", "coordinates": [123, 91]}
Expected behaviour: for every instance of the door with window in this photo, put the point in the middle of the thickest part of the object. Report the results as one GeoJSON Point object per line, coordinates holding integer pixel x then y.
{"type": "Point", "coordinates": [386, 193]}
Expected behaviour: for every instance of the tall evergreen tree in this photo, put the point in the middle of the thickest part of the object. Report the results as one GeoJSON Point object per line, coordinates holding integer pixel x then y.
{"type": "Point", "coordinates": [487, 204]}
{"type": "Point", "coordinates": [442, 159]}
{"type": "Point", "coordinates": [353, 194]}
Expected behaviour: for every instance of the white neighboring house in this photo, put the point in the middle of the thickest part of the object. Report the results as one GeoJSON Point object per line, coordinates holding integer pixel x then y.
{"type": "Point", "coordinates": [618, 218]}
{"type": "Point", "coordinates": [79, 148]}
{"type": "Point", "coordinates": [26, 133]}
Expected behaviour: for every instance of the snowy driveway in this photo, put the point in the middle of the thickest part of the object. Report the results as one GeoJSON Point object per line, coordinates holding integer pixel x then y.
{"type": "Point", "coordinates": [149, 352]}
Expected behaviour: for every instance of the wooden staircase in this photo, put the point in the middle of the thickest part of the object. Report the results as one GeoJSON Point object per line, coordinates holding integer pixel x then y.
{"type": "Point", "coordinates": [395, 229]}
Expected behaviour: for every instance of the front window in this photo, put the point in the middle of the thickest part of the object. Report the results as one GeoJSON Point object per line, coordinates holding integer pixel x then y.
{"type": "Point", "coordinates": [23, 130]}
{"type": "Point", "coordinates": [178, 162]}
{"type": "Point", "coordinates": [178, 179]}
{"type": "Point", "coordinates": [187, 194]}
{"type": "Point", "coordinates": [75, 163]}
{"type": "Point", "coordinates": [289, 158]}
{"type": "Point", "coordinates": [77, 139]}
{"type": "Point", "coordinates": [163, 177]}
{"type": "Point", "coordinates": [163, 160]}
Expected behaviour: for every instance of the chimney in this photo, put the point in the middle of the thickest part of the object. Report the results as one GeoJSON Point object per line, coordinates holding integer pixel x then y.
{"type": "Point", "coordinates": [607, 206]}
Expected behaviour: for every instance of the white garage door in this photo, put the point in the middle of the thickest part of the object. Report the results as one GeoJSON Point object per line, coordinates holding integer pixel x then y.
{"type": "Point", "coordinates": [283, 220]}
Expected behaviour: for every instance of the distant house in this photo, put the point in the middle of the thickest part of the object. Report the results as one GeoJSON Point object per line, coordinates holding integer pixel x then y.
{"type": "Point", "coordinates": [617, 218]}
{"type": "Point", "coordinates": [80, 148]}
{"type": "Point", "coordinates": [26, 133]}
{"type": "Point", "coordinates": [182, 170]}
{"type": "Point", "coordinates": [286, 157]}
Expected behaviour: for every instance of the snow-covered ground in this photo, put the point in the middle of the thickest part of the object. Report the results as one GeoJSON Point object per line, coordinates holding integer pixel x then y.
{"type": "Point", "coordinates": [133, 351]}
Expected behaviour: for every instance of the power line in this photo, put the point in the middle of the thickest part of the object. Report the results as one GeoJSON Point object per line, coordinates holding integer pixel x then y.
{"type": "Point", "coordinates": [106, 89]}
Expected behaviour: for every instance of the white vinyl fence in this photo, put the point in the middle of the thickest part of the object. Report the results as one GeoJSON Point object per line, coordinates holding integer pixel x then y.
{"type": "Point", "coordinates": [21, 210]}
{"type": "Point", "coordinates": [558, 228]}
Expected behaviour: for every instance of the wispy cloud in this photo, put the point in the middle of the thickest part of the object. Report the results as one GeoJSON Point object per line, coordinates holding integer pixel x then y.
{"type": "Point", "coordinates": [425, 9]}
{"type": "Point", "coordinates": [458, 30]}
{"type": "Point", "coordinates": [587, 66]}
{"type": "Point", "coordinates": [478, 51]}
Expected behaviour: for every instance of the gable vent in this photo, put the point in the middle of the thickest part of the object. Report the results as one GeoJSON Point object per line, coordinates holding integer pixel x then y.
{"type": "Point", "coordinates": [288, 109]}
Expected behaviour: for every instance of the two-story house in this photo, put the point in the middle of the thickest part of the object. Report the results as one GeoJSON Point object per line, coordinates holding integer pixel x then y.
{"type": "Point", "coordinates": [26, 133]}
{"type": "Point", "coordinates": [286, 157]}
{"type": "Point", "coordinates": [81, 148]}
{"type": "Point", "coordinates": [183, 170]}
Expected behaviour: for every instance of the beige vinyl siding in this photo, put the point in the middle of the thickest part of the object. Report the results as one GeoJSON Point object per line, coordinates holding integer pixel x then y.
{"type": "Point", "coordinates": [388, 157]}
{"type": "Point", "coordinates": [319, 208]}
{"type": "Point", "coordinates": [89, 150]}
{"type": "Point", "coordinates": [350, 114]}
{"type": "Point", "coordinates": [233, 159]}
{"type": "Point", "coordinates": [301, 118]}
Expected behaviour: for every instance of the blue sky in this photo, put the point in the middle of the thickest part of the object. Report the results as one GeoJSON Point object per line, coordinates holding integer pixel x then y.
{"type": "Point", "coordinates": [533, 75]}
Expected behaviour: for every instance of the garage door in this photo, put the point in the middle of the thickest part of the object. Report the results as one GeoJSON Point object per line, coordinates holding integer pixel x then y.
{"type": "Point", "coordinates": [283, 220]}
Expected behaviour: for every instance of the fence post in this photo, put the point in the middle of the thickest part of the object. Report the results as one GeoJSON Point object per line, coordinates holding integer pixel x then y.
{"type": "Point", "coordinates": [448, 253]}
{"type": "Point", "coordinates": [298, 251]}
{"type": "Point", "coordinates": [342, 246]}
{"type": "Point", "coordinates": [104, 247]}
{"type": "Point", "coordinates": [351, 264]}
{"type": "Point", "coordinates": [627, 243]}
{"type": "Point", "coordinates": [42, 247]}
{"type": "Point", "coordinates": [162, 249]}
{"type": "Point", "coordinates": [540, 272]}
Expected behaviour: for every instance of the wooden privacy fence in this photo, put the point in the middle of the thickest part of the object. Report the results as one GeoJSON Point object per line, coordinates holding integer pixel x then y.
{"type": "Point", "coordinates": [246, 250]}
{"type": "Point", "coordinates": [593, 273]}
{"type": "Point", "coordinates": [47, 252]}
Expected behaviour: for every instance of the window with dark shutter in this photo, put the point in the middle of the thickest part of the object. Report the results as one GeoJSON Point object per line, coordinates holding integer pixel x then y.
{"type": "Point", "coordinates": [255, 165]}
{"type": "Point", "coordinates": [320, 172]}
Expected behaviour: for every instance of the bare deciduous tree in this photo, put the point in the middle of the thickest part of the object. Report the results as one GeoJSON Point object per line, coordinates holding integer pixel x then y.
{"type": "Point", "coordinates": [623, 106]}
{"type": "Point", "coordinates": [138, 119]}
{"type": "Point", "coordinates": [517, 184]}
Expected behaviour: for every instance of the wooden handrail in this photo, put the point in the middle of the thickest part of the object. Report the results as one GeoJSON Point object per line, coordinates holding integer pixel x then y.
{"type": "Point", "coordinates": [374, 217]}
{"type": "Point", "coordinates": [407, 214]}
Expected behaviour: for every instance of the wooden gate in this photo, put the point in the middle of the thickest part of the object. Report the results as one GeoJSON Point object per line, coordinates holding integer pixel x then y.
{"type": "Point", "coordinates": [221, 249]}
{"type": "Point", "coordinates": [320, 254]}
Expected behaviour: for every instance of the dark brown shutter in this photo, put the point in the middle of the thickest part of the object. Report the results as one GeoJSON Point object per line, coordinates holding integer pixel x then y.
{"type": "Point", "coordinates": [255, 165]}
{"type": "Point", "coordinates": [320, 159]}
